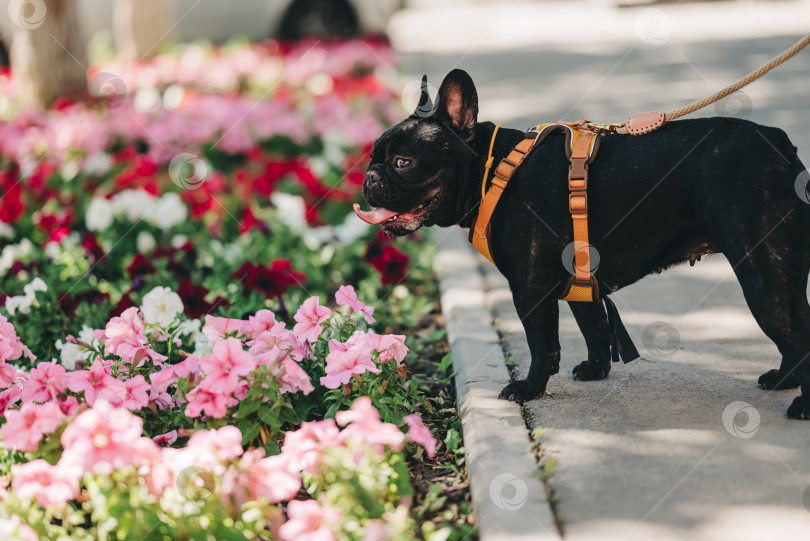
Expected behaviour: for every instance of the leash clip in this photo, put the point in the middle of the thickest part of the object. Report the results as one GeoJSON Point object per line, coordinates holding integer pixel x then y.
{"type": "Point", "coordinates": [602, 128]}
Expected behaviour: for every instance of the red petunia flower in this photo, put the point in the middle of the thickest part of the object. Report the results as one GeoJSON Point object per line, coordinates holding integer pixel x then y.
{"type": "Point", "coordinates": [93, 248]}
{"type": "Point", "coordinates": [392, 264]}
{"type": "Point", "coordinates": [271, 282]}
{"type": "Point", "coordinates": [140, 266]}
{"type": "Point", "coordinates": [193, 298]}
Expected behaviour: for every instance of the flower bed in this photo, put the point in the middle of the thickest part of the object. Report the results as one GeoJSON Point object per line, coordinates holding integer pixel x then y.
{"type": "Point", "coordinates": [180, 248]}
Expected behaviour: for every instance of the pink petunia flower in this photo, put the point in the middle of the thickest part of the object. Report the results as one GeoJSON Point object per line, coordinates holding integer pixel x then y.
{"type": "Point", "coordinates": [305, 445]}
{"type": "Point", "coordinates": [124, 336]}
{"type": "Point", "coordinates": [308, 521]}
{"type": "Point", "coordinates": [309, 317]}
{"type": "Point", "coordinates": [24, 428]}
{"type": "Point", "coordinates": [8, 374]}
{"type": "Point", "coordinates": [11, 347]}
{"type": "Point", "coordinates": [10, 396]}
{"type": "Point", "coordinates": [96, 382]}
{"type": "Point", "coordinates": [346, 296]}
{"type": "Point", "coordinates": [217, 327]}
{"type": "Point", "coordinates": [137, 393]}
{"type": "Point", "coordinates": [345, 360]}
{"type": "Point", "coordinates": [101, 440]}
{"type": "Point", "coordinates": [227, 363]}
{"type": "Point", "coordinates": [165, 440]}
{"type": "Point", "coordinates": [213, 404]}
{"type": "Point", "coordinates": [45, 382]}
{"type": "Point", "coordinates": [419, 433]}
{"type": "Point", "coordinates": [365, 425]}
{"type": "Point", "coordinates": [272, 478]}
{"type": "Point", "coordinates": [14, 528]}
{"type": "Point", "coordinates": [52, 486]}
{"type": "Point", "coordinates": [264, 320]}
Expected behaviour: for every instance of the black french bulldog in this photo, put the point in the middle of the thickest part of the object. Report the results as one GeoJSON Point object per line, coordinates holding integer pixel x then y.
{"type": "Point", "coordinates": [692, 187]}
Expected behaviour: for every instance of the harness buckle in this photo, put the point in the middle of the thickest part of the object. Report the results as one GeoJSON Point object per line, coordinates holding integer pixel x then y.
{"type": "Point", "coordinates": [602, 128]}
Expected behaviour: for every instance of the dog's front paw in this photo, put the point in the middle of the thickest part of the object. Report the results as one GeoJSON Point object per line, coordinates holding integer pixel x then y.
{"type": "Point", "coordinates": [520, 391]}
{"type": "Point", "coordinates": [774, 380]}
{"type": "Point", "coordinates": [591, 370]}
{"type": "Point", "coordinates": [800, 409]}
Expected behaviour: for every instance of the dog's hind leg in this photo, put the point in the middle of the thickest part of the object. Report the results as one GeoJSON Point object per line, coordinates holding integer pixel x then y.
{"type": "Point", "coordinates": [773, 276]}
{"type": "Point", "coordinates": [593, 323]}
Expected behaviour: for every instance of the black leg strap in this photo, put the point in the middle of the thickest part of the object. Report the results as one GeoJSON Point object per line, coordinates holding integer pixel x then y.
{"type": "Point", "coordinates": [621, 345]}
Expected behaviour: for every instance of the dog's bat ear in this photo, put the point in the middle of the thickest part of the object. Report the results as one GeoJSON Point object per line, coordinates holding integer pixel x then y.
{"type": "Point", "coordinates": [458, 102]}
{"type": "Point", "coordinates": [425, 103]}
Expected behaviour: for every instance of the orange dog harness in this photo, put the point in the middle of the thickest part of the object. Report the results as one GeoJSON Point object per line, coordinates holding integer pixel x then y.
{"type": "Point", "coordinates": [581, 144]}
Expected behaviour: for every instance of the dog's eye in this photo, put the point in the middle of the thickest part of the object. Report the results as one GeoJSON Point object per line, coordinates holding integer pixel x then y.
{"type": "Point", "coordinates": [401, 163]}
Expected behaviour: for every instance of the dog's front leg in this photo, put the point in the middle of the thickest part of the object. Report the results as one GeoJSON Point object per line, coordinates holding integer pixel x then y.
{"type": "Point", "coordinates": [593, 323]}
{"type": "Point", "coordinates": [540, 314]}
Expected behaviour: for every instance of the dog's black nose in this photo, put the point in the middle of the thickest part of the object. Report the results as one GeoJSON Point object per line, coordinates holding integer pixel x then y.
{"type": "Point", "coordinates": [373, 176]}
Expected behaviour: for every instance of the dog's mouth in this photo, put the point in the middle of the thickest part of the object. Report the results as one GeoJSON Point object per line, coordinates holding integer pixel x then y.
{"type": "Point", "coordinates": [402, 222]}
{"type": "Point", "coordinates": [383, 216]}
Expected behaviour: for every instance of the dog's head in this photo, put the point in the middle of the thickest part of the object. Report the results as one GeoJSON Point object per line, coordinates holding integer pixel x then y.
{"type": "Point", "coordinates": [414, 177]}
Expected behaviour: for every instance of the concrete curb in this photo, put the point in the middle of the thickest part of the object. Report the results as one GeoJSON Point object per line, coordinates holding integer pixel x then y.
{"type": "Point", "coordinates": [509, 500]}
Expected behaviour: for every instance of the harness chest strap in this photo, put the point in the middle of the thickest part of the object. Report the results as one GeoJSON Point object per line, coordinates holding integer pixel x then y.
{"type": "Point", "coordinates": [580, 146]}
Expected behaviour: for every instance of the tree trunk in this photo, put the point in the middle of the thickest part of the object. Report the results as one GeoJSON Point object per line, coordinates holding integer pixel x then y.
{"type": "Point", "coordinates": [48, 52]}
{"type": "Point", "coordinates": [140, 27]}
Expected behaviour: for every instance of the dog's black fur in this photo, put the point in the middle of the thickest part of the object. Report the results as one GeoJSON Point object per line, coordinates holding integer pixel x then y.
{"type": "Point", "coordinates": [692, 187]}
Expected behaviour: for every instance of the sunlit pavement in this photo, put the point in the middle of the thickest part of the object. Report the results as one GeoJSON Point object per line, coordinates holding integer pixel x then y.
{"type": "Point", "coordinates": [680, 444]}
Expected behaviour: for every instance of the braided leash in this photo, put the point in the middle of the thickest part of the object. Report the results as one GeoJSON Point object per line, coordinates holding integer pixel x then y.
{"type": "Point", "coordinates": [647, 122]}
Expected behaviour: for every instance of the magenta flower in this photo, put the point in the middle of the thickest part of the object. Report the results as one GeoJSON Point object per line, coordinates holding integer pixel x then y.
{"type": "Point", "coordinates": [308, 521]}
{"type": "Point", "coordinates": [305, 445]}
{"type": "Point", "coordinates": [346, 296]}
{"type": "Point", "coordinates": [345, 360]}
{"type": "Point", "coordinates": [309, 318]}
{"type": "Point", "coordinates": [52, 486]}
{"type": "Point", "coordinates": [101, 443]}
{"type": "Point", "coordinates": [24, 428]}
{"type": "Point", "coordinates": [419, 433]}
{"type": "Point", "coordinates": [45, 382]}
{"type": "Point", "coordinates": [365, 425]}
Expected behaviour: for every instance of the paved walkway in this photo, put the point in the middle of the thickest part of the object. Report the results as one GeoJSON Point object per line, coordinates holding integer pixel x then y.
{"type": "Point", "coordinates": [680, 444]}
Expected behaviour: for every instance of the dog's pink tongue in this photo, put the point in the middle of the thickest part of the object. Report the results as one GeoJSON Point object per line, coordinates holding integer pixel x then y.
{"type": "Point", "coordinates": [375, 216]}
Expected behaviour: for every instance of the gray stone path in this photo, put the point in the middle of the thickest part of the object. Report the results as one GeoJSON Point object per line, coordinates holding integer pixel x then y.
{"type": "Point", "coordinates": [656, 451]}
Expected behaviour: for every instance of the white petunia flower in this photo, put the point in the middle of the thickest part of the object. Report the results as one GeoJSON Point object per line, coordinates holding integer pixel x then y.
{"type": "Point", "coordinates": [291, 209]}
{"type": "Point", "coordinates": [37, 284]}
{"type": "Point", "coordinates": [6, 231]}
{"type": "Point", "coordinates": [145, 242]}
{"type": "Point", "coordinates": [69, 354]}
{"type": "Point", "coordinates": [168, 211]}
{"type": "Point", "coordinates": [21, 303]}
{"type": "Point", "coordinates": [99, 215]}
{"type": "Point", "coordinates": [161, 306]}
